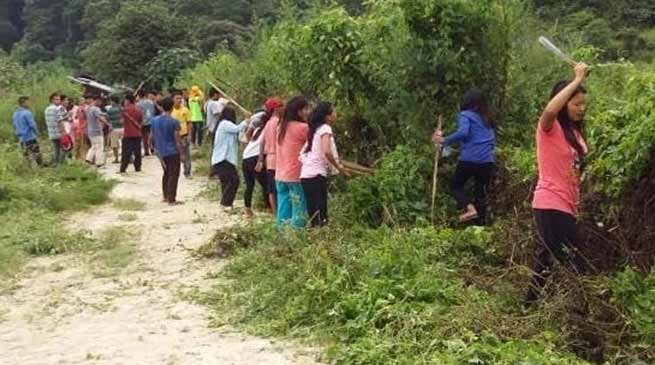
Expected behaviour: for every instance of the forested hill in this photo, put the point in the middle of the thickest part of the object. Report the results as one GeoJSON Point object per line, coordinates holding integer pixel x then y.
{"type": "Point", "coordinates": [43, 30]}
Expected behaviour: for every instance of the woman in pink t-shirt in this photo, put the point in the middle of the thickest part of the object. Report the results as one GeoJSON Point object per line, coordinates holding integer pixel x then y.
{"type": "Point", "coordinates": [292, 135]}
{"type": "Point", "coordinates": [275, 107]}
{"type": "Point", "coordinates": [560, 152]}
{"type": "Point", "coordinates": [319, 159]}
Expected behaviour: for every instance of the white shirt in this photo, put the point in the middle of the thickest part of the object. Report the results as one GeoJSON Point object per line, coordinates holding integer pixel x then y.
{"type": "Point", "coordinates": [213, 110]}
{"type": "Point", "coordinates": [252, 149]}
{"type": "Point", "coordinates": [314, 162]}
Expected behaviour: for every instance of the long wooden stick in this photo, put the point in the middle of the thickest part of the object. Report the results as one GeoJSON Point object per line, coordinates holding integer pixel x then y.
{"type": "Point", "coordinates": [138, 88]}
{"type": "Point", "coordinates": [356, 167]}
{"type": "Point", "coordinates": [246, 111]}
{"type": "Point", "coordinates": [437, 155]}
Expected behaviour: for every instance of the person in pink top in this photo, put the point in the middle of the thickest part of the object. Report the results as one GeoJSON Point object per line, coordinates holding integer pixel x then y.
{"type": "Point", "coordinates": [561, 150]}
{"type": "Point", "coordinates": [291, 137]}
{"type": "Point", "coordinates": [275, 107]}
{"type": "Point", "coordinates": [319, 159]}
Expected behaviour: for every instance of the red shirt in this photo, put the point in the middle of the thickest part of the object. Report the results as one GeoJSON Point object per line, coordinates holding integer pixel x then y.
{"type": "Point", "coordinates": [559, 175]}
{"type": "Point", "coordinates": [287, 164]}
{"type": "Point", "coordinates": [132, 120]}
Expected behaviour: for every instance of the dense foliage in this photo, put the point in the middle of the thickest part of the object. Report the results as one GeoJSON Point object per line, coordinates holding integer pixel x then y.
{"type": "Point", "coordinates": [385, 284]}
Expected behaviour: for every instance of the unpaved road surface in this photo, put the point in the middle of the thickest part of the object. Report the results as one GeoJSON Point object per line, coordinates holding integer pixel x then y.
{"type": "Point", "coordinates": [63, 312]}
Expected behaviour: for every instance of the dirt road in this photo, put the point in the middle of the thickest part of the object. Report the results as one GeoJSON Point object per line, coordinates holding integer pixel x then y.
{"type": "Point", "coordinates": [68, 311]}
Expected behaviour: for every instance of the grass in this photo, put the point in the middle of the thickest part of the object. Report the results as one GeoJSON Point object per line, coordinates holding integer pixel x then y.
{"type": "Point", "coordinates": [413, 296]}
{"type": "Point", "coordinates": [129, 205]}
{"type": "Point", "coordinates": [113, 251]}
{"type": "Point", "coordinates": [34, 203]}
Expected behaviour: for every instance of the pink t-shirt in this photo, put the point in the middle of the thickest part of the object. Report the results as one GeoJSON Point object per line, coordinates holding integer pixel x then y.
{"type": "Point", "coordinates": [270, 136]}
{"type": "Point", "coordinates": [314, 162]}
{"type": "Point", "coordinates": [287, 164]}
{"type": "Point", "coordinates": [559, 173]}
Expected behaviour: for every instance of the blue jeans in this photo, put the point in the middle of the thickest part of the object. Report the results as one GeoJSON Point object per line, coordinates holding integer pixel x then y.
{"type": "Point", "coordinates": [291, 205]}
{"type": "Point", "coordinates": [186, 143]}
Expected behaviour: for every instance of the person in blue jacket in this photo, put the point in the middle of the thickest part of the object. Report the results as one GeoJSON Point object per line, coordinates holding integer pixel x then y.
{"type": "Point", "coordinates": [26, 131]}
{"type": "Point", "coordinates": [476, 137]}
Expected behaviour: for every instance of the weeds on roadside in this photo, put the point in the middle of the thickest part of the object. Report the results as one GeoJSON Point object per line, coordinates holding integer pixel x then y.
{"type": "Point", "coordinates": [34, 204]}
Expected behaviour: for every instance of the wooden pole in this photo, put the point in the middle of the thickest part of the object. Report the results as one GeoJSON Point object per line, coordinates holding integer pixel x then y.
{"type": "Point", "coordinates": [230, 98]}
{"type": "Point", "coordinates": [138, 88]}
{"type": "Point", "coordinates": [437, 155]}
{"type": "Point", "coordinates": [356, 167]}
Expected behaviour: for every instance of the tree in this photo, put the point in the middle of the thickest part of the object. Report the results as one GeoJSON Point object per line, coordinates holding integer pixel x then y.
{"type": "Point", "coordinates": [126, 43]}
{"type": "Point", "coordinates": [167, 65]}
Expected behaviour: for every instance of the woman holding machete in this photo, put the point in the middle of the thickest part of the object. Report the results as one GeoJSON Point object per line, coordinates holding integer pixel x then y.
{"type": "Point", "coordinates": [561, 149]}
{"type": "Point", "coordinates": [476, 136]}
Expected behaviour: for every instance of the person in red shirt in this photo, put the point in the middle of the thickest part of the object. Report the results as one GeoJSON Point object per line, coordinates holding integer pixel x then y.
{"type": "Point", "coordinates": [560, 153]}
{"type": "Point", "coordinates": [132, 134]}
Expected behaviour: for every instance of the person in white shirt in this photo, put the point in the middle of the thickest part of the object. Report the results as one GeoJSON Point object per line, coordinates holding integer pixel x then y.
{"type": "Point", "coordinates": [319, 158]}
{"type": "Point", "coordinates": [255, 135]}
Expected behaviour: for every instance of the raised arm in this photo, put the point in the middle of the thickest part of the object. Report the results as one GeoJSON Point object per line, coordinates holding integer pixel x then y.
{"type": "Point", "coordinates": [549, 114]}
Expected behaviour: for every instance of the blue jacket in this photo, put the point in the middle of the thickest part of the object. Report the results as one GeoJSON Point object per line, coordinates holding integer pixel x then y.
{"type": "Point", "coordinates": [477, 139]}
{"type": "Point", "coordinates": [24, 125]}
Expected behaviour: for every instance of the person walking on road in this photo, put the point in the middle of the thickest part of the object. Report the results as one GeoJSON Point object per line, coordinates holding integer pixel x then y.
{"type": "Point", "coordinates": [183, 116]}
{"type": "Point", "coordinates": [96, 120]}
{"type": "Point", "coordinates": [132, 135]}
{"type": "Point", "coordinates": [115, 116]}
{"type": "Point", "coordinates": [168, 144]}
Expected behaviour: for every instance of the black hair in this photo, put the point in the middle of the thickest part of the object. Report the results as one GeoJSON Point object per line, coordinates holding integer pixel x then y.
{"type": "Point", "coordinates": [267, 116]}
{"type": "Point", "coordinates": [167, 104]}
{"type": "Point", "coordinates": [475, 101]}
{"type": "Point", "coordinates": [228, 114]}
{"type": "Point", "coordinates": [115, 99]}
{"type": "Point", "coordinates": [22, 100]}
{"type": "Point", "coordinates": [317, 119]}
{"type": "Point", "coordinates": [130, 98]}
{"type": "Point", "coordinates": [213, 92]}
{"type": "Point", "coordinates": [54, 95]}
{"type": "Point", "coordinates": [568, 126]}
{"type": "Point", "coordinates": [291, 113]}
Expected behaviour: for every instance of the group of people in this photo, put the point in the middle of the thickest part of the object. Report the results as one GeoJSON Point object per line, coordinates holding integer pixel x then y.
{"type": "Point", "coordinates": [290, 151]}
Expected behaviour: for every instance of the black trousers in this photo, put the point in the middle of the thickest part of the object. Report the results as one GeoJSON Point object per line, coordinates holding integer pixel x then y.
{"type": "Point", "coordinates": [198, 132]}
{"type": "Point", "coordinates": [131, 147]}
{"type": "Point", "coordinates": [171, 165]}
{"type": "Point", "coordinates": [251, 177]}
{"type": "Point", "coordinates": [558, 232]}
{"type": "Point", "coordinates": [316, 195]}
{"type": "Point", "coordinates": [227, 174]}
{"type": "Point", "coordinates": [482, 175]}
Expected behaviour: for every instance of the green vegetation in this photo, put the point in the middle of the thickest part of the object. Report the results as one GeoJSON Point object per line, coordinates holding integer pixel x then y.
{"type": "Point", "coordinates": [384, 284]}
{"type": "Point", "coordinates": [128, 204]}
{"type": "Point", "coordinates": [34, 203]}
{"type": "Point", "coordinates": [392, 296]}
{"type": "Point", "coordinates": [112, 251]}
